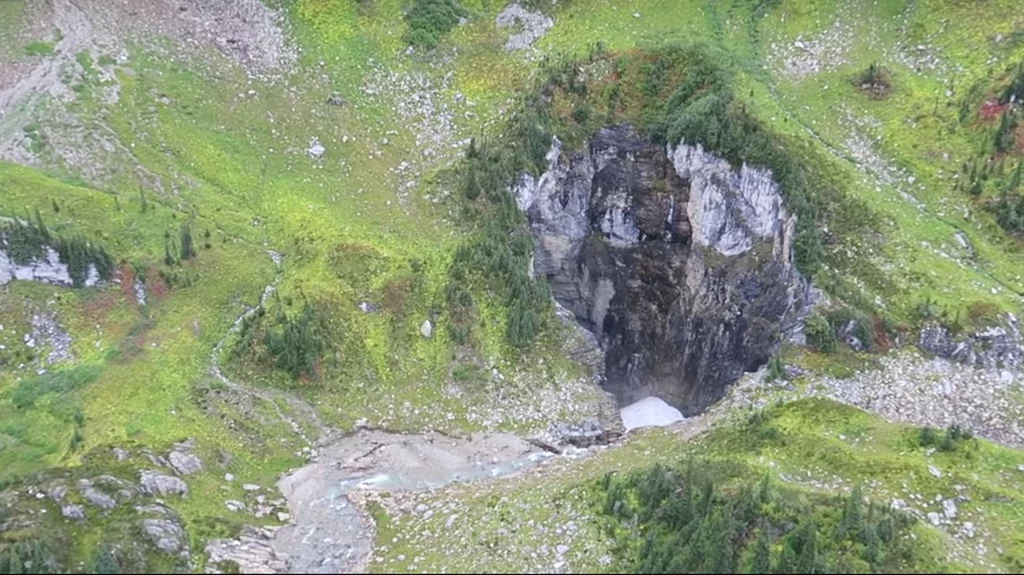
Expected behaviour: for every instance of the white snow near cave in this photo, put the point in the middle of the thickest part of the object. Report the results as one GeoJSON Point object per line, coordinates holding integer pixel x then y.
{"type": "Point", "coordinates": [649, 412]}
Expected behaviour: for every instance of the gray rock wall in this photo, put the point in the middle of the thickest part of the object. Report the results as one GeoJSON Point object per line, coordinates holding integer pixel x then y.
{"type": "Point", "coordinates": [994, 347]}
{"type": "Point", "coordinates": [678, 264]}
{"type": "Point", "coordinates": [46, 270]}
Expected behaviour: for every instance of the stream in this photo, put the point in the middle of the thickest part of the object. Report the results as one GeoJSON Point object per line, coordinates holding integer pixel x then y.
{"type": "Point", "coordinates": [330, 534]}
{"type": "Point", "coordinates": [327, 532]}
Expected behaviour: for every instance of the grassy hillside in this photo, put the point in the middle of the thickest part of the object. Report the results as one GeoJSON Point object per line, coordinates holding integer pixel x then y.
{"type": "Point", "coordinates": [138, 140]}
{"type": "Point", "coordinates": [809, 452]}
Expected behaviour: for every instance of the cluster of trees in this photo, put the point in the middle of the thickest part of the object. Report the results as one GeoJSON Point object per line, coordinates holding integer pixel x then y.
{"type": "Point", "coordinates": [185, 248]}
{"type": "Point", "coordinates": [293, 343]}
{"type": "Point", "coordinates": [820, 334]}
{"type": "Point", "coordinates": [776, 369]}
{"type": "Point", "coordinates": [42, 555]}
{"type": "Point", "coordinates": [297, 343]}
{"type": "Point", "coordinates": [1006, 137]}
{"type": "Point", "coordinates": [697, 518]}
{"type": "Point", "coordinates": [1010, 208]}
{"type": "Point", "coordinates": [497, 257]}
{"type": "Point", "coordinates": [992, 169]}
{"type": "Point", "coordinates": [28, 556]}
{"type": "Point", "coordinates": [26, 241]}
{"type": "Point", "coordinates": [431, 20]}
{"type": "Point", "coordinates": [948, 441]}
{"type": "Point", "coordinates": [823, 330]}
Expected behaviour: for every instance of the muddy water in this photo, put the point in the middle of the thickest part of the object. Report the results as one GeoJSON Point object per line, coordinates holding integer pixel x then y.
{"type": "Point", "coordinates": [329, 534]}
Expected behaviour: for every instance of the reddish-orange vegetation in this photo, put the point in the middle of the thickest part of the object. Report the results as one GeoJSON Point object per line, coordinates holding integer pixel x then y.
{"type": "Point", "coordinates": [96, 308]}
{"type": "Point", "coordinates": [156, 287]}
{"type": "Point", "coordinates": [127, 276]}
{"type": "Point", "coordinates": [881, 335]}
{"type": "Point", "coordinates": [992, 110]}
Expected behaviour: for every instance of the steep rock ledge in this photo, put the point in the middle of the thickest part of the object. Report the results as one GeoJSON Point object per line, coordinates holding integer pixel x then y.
{"type": "Point", "coordinates": [995, 347]}
{"type": "Point", "coordinates": [681, 266]}
{"type": "Point", "coordinates": [48, 269]}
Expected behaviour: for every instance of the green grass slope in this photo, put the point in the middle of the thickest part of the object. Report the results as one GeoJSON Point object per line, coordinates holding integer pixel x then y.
{"type": "Point", "coordinates": [376, 219]}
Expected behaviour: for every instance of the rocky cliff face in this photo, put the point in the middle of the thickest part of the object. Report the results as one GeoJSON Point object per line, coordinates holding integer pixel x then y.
{"type": "Point", "coordinates": [48, 269]}
{"type": "Point", "coordinates": [678, 264]}
{"type": "Point", "coordinates": [994, 347]}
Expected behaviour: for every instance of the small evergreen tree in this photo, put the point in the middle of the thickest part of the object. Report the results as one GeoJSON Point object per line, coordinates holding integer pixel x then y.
{"type": "Point", "coordinates": [104, 561]}
{"type": "Point", "coordinates": [187, 249]}
{"type": "Point", "coordinates": [168, 258]}
{"type": "Point", "coordinates": [1016, 178]}
{"type": "Point", "coordinates": [1005, 137]}
{"type": "Point", "coordinates": [927, 436]}
{"type": "Point", "coordinates": [808, 562]}
{"type": "Point", "coordinates": [776, 370]}
{"type": "Point", "coordinates": [760, 561]}
{"type": "Point", "coordinates": [1014, 92]}
{"type": "Point", "coordinates": [787, 561]}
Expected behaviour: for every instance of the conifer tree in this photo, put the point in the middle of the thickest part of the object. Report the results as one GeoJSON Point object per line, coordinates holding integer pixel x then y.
{"type": "Point", "coordinates": [187, 249]}
{"type": "Point", "coordinates": [1015, 179]}
{"type": "Point", "coordinates": [1005, 137]}
{"type": "Point", "coordinates": [809, 552]}
{"type": "Point", "coordinates": [760, 561]}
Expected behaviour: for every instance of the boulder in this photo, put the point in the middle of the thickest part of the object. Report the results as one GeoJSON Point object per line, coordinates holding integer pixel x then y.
{"type": "Point", "coordinates": [531, 26]}
{"type": "Point", "coordinates": [154, 483]}
{"type": "Point", "coordinates": [251, 552]}
{"type": "Point", "coordinates": [316, 149]}
{"type": "Point", "coordinates": [949, 508]}
{"type": "Point", "coordinates": [57, 492]}
{"type": "Point", "coordinates": [185, 463]}
{"type": "Point", "coordinates": [98, 498]}
{"type": "Point", "coordinates": [76, 512]}
{"type": "Point", "coordinates": [167, 535]}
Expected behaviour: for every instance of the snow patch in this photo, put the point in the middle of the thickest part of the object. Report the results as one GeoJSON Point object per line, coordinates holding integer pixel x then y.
{"type": "Point", "coordinates": [649, 412]}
